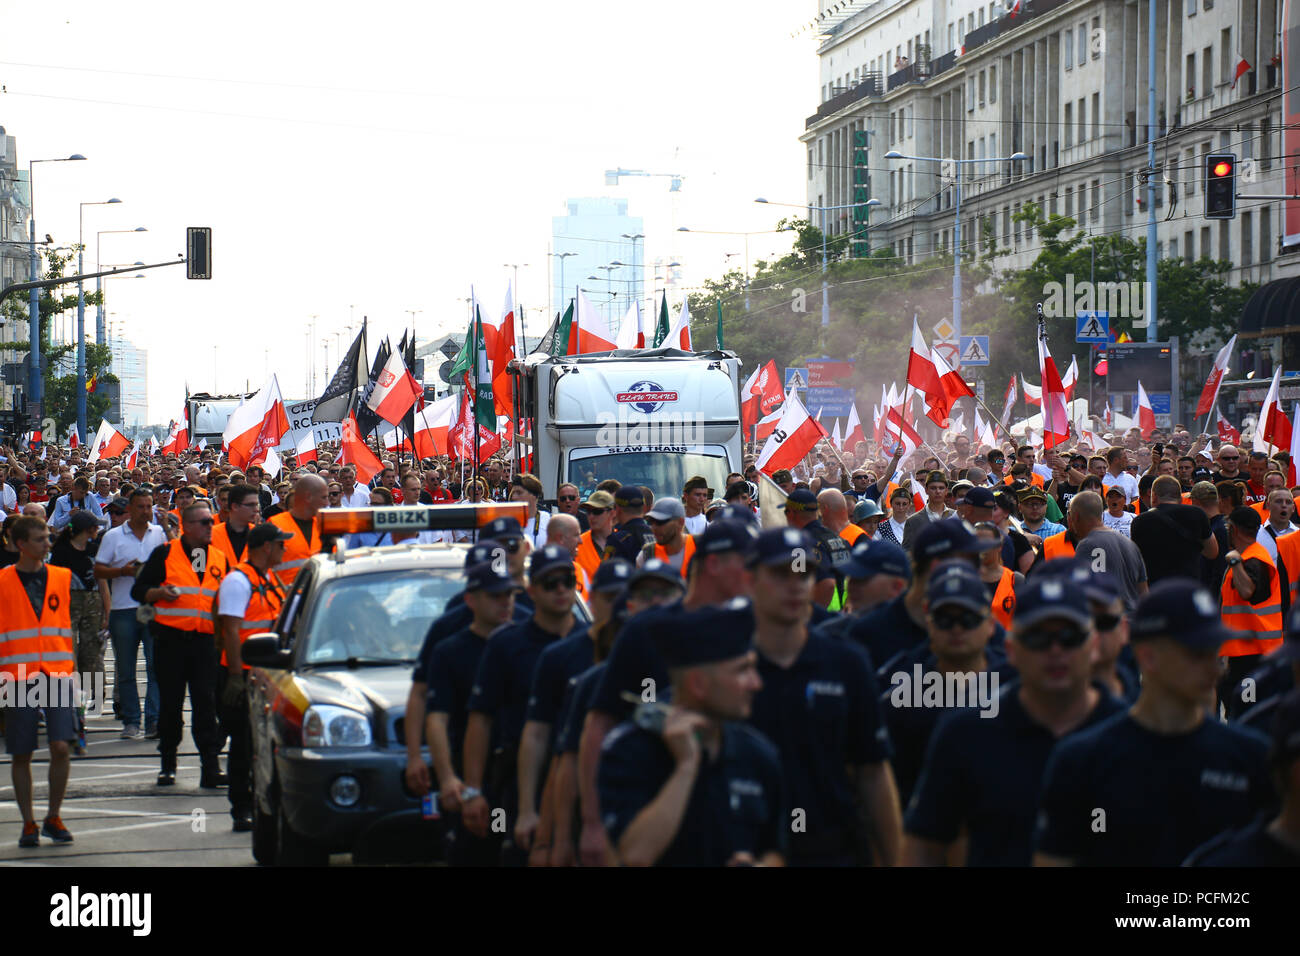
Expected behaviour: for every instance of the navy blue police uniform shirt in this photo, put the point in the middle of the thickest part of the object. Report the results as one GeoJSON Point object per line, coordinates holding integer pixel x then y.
{"type": "Point", "coordinates": [577, 701]}
{"type": "Point", "coordinates": [888, 630]}
{"type": "Point", "coordinates": [453, 665]}
{"type": "Point", "coordinates": [505, 676]}
{"type": "Point", "coordinates": [629, 540]}
{"type": "Point", "coordinates": [1250, 846]}
{"type": "Point", "coordinates": [456, 617]}
{"type": "Point", "coordinates": [982, 774]}
{"type": "Point", "coordinates": [823, 714]}
{"type": "Point", "coordinates": [634, 659]}
{"type": "Point", "coordinates": [1163, 794]}
{"type": "Point", "coordinates": [910, 727]}
{"type": "Point", "coordinates": [556, 665]}
{"type": "Point", "coordinates": [737, 803]}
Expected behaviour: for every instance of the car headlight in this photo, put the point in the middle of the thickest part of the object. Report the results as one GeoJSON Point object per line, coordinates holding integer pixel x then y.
{"type": "Point", "coordinates": [326, 726]}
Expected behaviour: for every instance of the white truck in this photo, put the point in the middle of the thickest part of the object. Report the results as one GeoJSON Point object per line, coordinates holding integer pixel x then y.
{"type": "Point", "coordinates": [651, 417]}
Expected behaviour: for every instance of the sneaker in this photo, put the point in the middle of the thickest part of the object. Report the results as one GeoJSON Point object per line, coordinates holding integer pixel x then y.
{"type": "Point", "coordinates": [243, 821]}
{"type": "Point", "coordinates": [167, 778]}
{"type": "Point", "coordinates": [31, 835]}
{"type": "Point", "coordinates": [131, 732]}
{"type": "Point", "coordinates": [151, 732]}
{"type": "Point", "coordinates": [56, 831]}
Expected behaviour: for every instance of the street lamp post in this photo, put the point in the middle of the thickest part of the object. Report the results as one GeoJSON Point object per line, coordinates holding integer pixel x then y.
{"type": "Point", "coordinates": [1015, 157]}
{"type": "Point", "coordinates": [101, 333]}
{"type": "Point", "coordinates": [519, 309]}
{"type": "Point", "coordinates": [637, 265]}
{"type": "Point", "coordinates": [826, 312]}
{"type": "Point", "coordinates": [562, 256]}
{"type": "Point", "coordinates": [81, 310]}
{"type": "Point", "coordinates": [35, 383]}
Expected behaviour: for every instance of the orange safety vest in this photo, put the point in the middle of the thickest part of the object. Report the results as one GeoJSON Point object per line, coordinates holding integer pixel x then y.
{"type": "Point", "coordinates": [31, 646]}
{"type": "Point", "coordinates": [1288, 549]}
{"type": "Point", "coordinates": [851, 533]}
{"type": "Point", "coordinates": [1057, 547]}
{"type": "Point", "coordinates": [588, 558]}
{"type": "Point", "coordinates": [1035, 479]}
{"type": "Point", "coordinates": [688, 552]}
{"type": "Point", "coordinates": [193, 610]}
{"type": "Point", "coordinates": [263, 605]}
{"type": "Point", "coordinates": [1004, 598]}
{"type": "Point", "coordinates": [1263, 620]}
{"type": "Point", "coordinates": [221, 539]}
{"type": "Point", "coordinates": [297, 551]}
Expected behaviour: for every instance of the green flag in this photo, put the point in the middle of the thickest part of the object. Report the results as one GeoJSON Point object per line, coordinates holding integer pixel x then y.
{"type": "Point", "coordinates": [464, 358]}
{"type": "Point", "coordinates": [661, 330]}
{"type": "Point", "coordinates": [560, 344]}
{"type": "Point", "coordinates": [485, 410]}
{"type": "Point", "coordinates": [718, 303]}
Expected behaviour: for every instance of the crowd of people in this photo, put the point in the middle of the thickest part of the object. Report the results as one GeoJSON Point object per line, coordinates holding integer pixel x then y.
{"type": "Point", "coordinates": [971, 655]}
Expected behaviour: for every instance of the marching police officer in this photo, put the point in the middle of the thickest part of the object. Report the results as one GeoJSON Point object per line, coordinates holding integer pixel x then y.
{"type": "Point", "coordinates": [248, 602]}
{"type": "Point", "coordinates": [801, 512]}
{"type": "Point", "coordinates": [691, 785]}
{"type": "Point", "coordinates": [632, 534]}
{"type": "Point", "coordinates": [819, 705]}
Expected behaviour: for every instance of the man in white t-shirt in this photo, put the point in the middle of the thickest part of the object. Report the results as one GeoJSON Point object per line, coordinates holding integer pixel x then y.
{"type": "Point", "coordinates": [1115, 517]}
{"type": "Point", "coordinates": [1116, 462]}
{"type": "Point", "coordinates": [695, 498]}
{"type": "Point", "coordinates": [354, 495]}
{"type": "Point", "coordinates": [122, 552]}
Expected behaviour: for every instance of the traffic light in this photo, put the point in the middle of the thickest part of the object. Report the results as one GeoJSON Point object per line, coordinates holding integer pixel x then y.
{"type": "Point", "coordinates": [198, 252]}
{"type": "Point", "coordinates": [1221, 186]}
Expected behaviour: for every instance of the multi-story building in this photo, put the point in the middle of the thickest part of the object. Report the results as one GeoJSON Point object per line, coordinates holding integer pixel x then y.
{"type": "Point", "coordinates": [596, 237]}
{"type": "Point", "coordinates": [1064, 82]}
{"type": "Point", "coordinates": [131, 366]}
{"type": "Point", "coordinates": [14, 253]}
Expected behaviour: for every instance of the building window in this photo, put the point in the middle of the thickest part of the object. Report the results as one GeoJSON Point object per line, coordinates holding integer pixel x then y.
{"type": "Point", "coordinates": [1265, 234]}
{"type": "Point", "coordinates": [1207, 71]}
{"type": "Point", "coordinates": [1225, 55]}
{"type": "Point", "coordinates": [811, 164]}
{"type": "Point", "coordinates": [1247, 237]}
{"type": "Point", "coordinates": [1189, 248]}
{"type": "Point", "coordinates": [952, 37]}
{"type": "Point", "coordinates": [1069, 201]}
{"type": "Point", "coordinates": [1265, 143]}
{"type": "Point", "coordinates": [1095, 213]}
{"type": "Point", "coordinates": [1068, 49]}
{"type": "Point", "coordinates": [1191, 76]}
{"type": "Point", "coordinates": [1083, 43]}
{"type": "Point", "coordinates": [970, 94]}
{"type": "Point", "coordinates": [981, 16]}
{"type": "Point", "coordinates": [1205, 243]}
{"type": "Point", "coordinates": [1083, 121]}
{"type": "Point", "coordinates": [993, 84]}
{"type": "Point", "coordinates": [981, 87]}
{"type": "Point", "coordinates": [1096, 115]}
{"type": "Point", "coordinates": [1129, 199]}
{"type": "Point", "coordinates": [1189, 185]}
{"type": "Point", "coordinates": [1173, 248]}
{"type": "Point", "coordinates": [1068, 125]}
{"type": "Point", "coordinates": [1191, 8]}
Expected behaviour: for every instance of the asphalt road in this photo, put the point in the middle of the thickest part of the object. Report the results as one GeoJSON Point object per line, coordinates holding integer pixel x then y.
{"type": "Point", "coordinates": [116, 813]}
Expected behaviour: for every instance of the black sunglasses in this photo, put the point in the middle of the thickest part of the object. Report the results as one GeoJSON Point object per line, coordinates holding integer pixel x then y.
{"type": "Point", "coordinates": [1107, 622]}
{"type": "Point", "coordinates": [965, 619]}
{"type": "Point", "coordinates": [558, 581]}
{"type": "Point", "coordinates": [1068, 637]}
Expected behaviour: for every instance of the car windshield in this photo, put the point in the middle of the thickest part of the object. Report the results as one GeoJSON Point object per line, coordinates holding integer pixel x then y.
{"type": "Point", "coordinates": [663, 472]}
{"type": "Point", "coordinates": [380, 617]}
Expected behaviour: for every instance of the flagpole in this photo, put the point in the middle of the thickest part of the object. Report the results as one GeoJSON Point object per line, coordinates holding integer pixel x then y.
{"type": "Point", "coordinates": [473, 334]}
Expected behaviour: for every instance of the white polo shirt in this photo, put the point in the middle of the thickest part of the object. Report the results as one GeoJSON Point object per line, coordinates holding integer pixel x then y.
{"type": "Point", "coordinates": [119, 547]}
{"type": "Point", "coordinates": [360, 497]}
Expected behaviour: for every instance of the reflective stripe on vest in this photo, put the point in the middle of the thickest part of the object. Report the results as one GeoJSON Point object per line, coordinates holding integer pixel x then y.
{"type": "Point", "coordinates": [263, 605]}
{"type": "Point", "coordinates": [1288, 549]}
{"type": "Point", "coordinates": [1004, 599]}
{"type": "Point", "coordinates": [1261, 622]}
{"type": "Point", "coordinates": [26, 640]}
{"type": "Point", "coordinates": [193, 608]}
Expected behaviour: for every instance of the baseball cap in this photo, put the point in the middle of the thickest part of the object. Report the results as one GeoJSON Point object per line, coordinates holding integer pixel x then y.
{"type": "Point", "coordinates": [599, 499]}
{"type": "Point", "coordinates": [265, 533]}
{"type": "Point", "coordinates": [738, 512]}
{"type": "Point", "coordinates": [1044, 597]}
{"type": "Point", "coordinates": [801, 499]}
{"type": "Point", "coordinates": [979, 497]}
{"type": "Point", "coordinates": [1183, 611]}
{"type": "Point", "coordinates": [484, 577]}
{"type": "Point", "coordinates": [482, 551]}
{"type": "Point", "coordinates": [726, 534]}
{"type": "Point", "coordinates": [866, 508]}
{"type": "Point", "coordinates": [118, 505]}
{"type": "Point", "coordinates": [868, 558]}
{"type": "Point", "coordinates": [629, 496]}
{"type": "Point", "coordinates": [656, 570]}
{"type": "Point", "coordinates": [777, 546]}
{"type": "Point", "coordinates": [82, 521]}
{"type": "Point", "coordinates": [612, 575]}
{"type": "Point", "coordinates": [714, 505]}
{"type": "Point", "coordinates": [666, 509]}
{"type": "Point", "coordinates": [958, 585]}
{"type": "Point", "coordinates": [548, 559]}
{"type": "Point", "coordinates": [949, 536]}
{"type": "Point", "coordinates": [716, 632]}
{"type": "Point", "coordinates": [499, 528]}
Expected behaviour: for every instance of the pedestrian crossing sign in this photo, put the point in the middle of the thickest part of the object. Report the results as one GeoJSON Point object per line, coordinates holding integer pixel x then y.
{"type": "Point", "coordinates": [974, 350]}
{"type": "Point", "coordinates": [1092, 327]}
{"type": "Point", "coordinates": [796, 378]}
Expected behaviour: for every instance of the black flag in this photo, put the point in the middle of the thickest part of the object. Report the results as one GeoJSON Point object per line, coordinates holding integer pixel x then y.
{"type": "Point", "coordinates": [407, 348]}
{"type": "Point", "coordinates": [349, 378]}
{"type": "Point", "coordinates": [367, 420]}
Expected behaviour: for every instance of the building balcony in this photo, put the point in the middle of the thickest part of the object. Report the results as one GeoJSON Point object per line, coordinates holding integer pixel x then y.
{"type": "Point", "coordinates": [1082, 151]}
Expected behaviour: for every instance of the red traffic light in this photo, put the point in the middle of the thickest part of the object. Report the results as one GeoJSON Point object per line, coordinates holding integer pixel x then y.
{"type": "Point", "coordinates": [1221, 168]}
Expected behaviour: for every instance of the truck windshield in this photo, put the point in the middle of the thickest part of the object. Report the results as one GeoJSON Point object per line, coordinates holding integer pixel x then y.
{"type": "Point", "coordinates": [663, 472]}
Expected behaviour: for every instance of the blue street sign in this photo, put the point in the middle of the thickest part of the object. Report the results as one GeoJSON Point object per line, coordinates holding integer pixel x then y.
{"type": "Point", "coordinates": [1159, 402]}
{"type": "Point", "coordinates": [974, 350]}
{"type": "Point", "coordinates": [796, 378]}
{"type": "Point", "coordinates": [1092, 327]}
{"type": "Point", "coordinates": [833, 402]}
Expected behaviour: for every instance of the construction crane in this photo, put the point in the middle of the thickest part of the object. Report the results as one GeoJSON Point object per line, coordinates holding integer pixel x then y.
{"type": "Point", "coordinates": [674, 185]}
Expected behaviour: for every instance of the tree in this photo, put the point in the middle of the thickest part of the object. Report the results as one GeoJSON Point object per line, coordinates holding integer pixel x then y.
{"type": "Point", "coordinates": [61, 387]}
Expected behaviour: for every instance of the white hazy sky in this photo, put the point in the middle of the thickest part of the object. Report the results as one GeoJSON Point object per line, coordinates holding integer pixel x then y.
{"type": "Point", "coordinates": [373, 159]}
